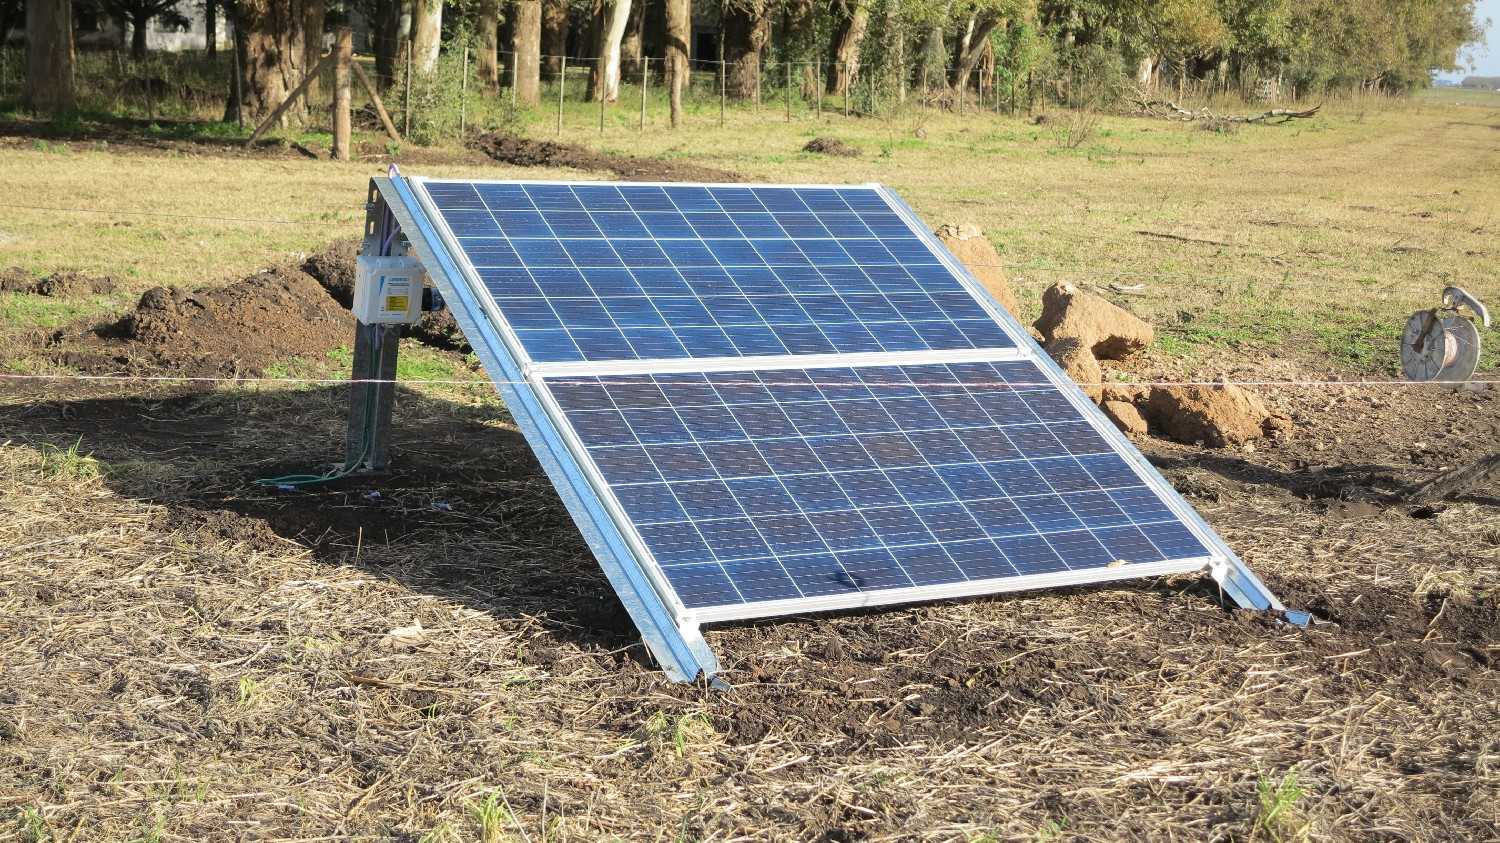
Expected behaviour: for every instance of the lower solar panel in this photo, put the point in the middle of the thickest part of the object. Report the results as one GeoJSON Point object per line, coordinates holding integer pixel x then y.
{"type": "Point", "coordinates": [845, 485]}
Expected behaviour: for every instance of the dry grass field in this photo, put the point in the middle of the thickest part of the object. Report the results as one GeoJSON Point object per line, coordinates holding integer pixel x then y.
{"type": "Point", "coordinates": [434, 655]}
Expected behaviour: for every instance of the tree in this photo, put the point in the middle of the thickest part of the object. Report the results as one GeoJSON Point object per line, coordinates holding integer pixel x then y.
{"type": "Point", "coordinates": [270, 37]}
{"type": "Point", "coordinates": [426, 34]}
{"type": "Point", "coordinates": [487, 21]}
{"type": "Point", "coordinates": [849, 35]}
{"type": "Point", "coordinates": [554, 33]}
{"type": "Point", "coordinates": [49, 56]}
{"type": "Point", "coordinates": [679, 29]}
{"type": "Point", "coordinates": [139, 14]}
{"type": "Point", "coordinates": [12, 14]}
{"type": "Point", "coordinates": [210, 27]}
{"type": "Point", "coordinates": [983, 17]}
{"type": "Point", "coordinates": [614, 17]}
{"type": "Point", "coordinates": [389, 35]}
{"type": "Point", "coordinates": [314, 14]}
{"type": "Point", "coordinates": [526, 41]}
{"type": "Point", "coordinates": [747, 28]}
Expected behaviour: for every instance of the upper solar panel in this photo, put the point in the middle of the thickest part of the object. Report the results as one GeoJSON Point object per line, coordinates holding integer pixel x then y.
{"type": "Point", "coordinates": [645, 272]}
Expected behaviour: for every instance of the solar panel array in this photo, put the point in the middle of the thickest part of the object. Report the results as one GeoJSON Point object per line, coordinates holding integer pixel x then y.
{"type": "Point", "coordinates": [924, 452]}
{"type": "Point", "coordinates": [605, 272]}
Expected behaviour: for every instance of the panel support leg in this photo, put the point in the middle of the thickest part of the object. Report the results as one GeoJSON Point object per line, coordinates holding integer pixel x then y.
{"type": "Point", "coordinates": [372, 397]}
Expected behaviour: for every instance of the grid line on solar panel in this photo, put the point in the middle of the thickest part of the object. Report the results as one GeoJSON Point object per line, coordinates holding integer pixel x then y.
{"type": "Point", "coordinates": [752, 486]}
{"type": "Point", "coordinates": [604, 272]}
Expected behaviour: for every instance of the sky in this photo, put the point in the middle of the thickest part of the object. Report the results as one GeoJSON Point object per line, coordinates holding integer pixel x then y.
{"type": "Point", "coordinates": [1486, 56]}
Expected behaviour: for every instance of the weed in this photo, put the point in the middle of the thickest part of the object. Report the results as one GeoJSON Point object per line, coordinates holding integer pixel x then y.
{"type": "Point", "coordinates": [1278, 817]}
{"type": "Point", "coordinates": [250, 690]}
{"type": "Point", "coordinates": [68, 464]}
{"type": "Point", "coordinates": [492, 815]}
{"type": "Point", "coordinates": [30, 826]}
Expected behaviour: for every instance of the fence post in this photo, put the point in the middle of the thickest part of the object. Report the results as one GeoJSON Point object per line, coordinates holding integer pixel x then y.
{"type": "Point", "coordinates": [848, 83]}
{"type": "Point", "coordinates": [645, 82]}
{"type": "Point", "coordinates": [603, 90]}
{"type": "Point", "coordinates": [788, 91]}
{"type": "Point", "coordinates": [818, 83]}
{"type": "Point", "coordinates": [562, 85]}
{"type": "Point", "coordinates": [406, 101]}
{"type": "Point", "coordinates": [723, 90]}
{"type": "Point", "coordinates": [343, 47]}
{"type": "Point", "coordinates": [515, 71]}
{"type": "Point", "coordinates": [239, 93]}
{"type": "Point", "coordinates": [463, 97]}
{"type": "Point", "coordinates": [873, 110]}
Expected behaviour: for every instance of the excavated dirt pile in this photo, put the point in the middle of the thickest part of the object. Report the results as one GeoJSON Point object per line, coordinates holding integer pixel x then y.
{"type": "Point", "coordinates": [525, 152]}
{"type": "Point", "coordinates": [968, 243]}
{"type": "Point", "coordinates": [58, 284]}
{"type": "Point", "coordinates": [237, 330]}
{"type": "Point", "coordinates": [831, 146]}
{"type": "Point", "coordinates": [1079, 330]}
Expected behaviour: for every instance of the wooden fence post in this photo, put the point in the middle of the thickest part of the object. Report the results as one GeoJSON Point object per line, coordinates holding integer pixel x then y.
{"type": "Point", "coordinates": [343, 51]}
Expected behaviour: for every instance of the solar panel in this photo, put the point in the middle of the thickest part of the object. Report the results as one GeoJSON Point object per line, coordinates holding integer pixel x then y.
{"type": "Point", "coordinates": [756, 487]}
{"type": "Point", "coordinates": [637, 272]}
{"type": "Point", "coordinates": [758, 400]}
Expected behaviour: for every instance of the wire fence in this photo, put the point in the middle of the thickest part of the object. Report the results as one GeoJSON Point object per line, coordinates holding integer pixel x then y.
{"type": "Point", "coordinates": [462, 93]}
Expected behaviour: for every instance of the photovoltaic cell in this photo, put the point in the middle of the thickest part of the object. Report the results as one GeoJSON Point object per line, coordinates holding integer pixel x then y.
{"type": "Point", "coordinates": [778, 484]}
{"type": "Point", "coordinates": [639, 272]}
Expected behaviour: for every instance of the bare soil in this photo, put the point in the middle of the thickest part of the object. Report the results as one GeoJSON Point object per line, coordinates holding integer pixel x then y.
{"type": "Point", "coordinates": [526, 152]}
{"type": "Point", "coordinates": [831, 146]}
{"type": "Point", "coordinates": [229, 331]}
{"type": "Point", "coordinates": [56, 285]}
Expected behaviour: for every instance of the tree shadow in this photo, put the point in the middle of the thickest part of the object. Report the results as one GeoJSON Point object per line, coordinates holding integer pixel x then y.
{"type": "Point", "coordinates": [465, 513]}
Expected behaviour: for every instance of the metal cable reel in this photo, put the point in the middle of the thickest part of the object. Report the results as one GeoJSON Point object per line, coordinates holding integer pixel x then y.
{"type": "Point", "coordinates": [1442, 344]}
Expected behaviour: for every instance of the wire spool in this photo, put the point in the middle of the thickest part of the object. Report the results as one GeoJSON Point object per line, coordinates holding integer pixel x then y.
{"type": "Point", "coordinates": [1439, 348]}
{"type": "Point", "coordinates": [1440, 344]}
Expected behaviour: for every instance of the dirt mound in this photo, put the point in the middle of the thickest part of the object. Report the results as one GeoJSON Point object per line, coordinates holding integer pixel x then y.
{"type": "Point", "coordinates": [334, 269]}
{"type": "Point", "coordinates": [236, 330]}
{"type": "Point", "coordinates": [525, 152]}
{"type": "Point", "coordinates": [1075, 359]}
{"type": "Point", "coordinates": [832, 146]}
{"type": "Point", "coordinates": [1216, 416]}
{"type": "Point", "coordinates": [67, 284]}
{"type": "Point", "coordinates": [1110, 331]}
{"type": "Point", "coordinates": [968, 243]}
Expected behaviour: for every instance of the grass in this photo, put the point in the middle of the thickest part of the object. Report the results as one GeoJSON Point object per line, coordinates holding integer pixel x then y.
{"type": "Point", "coordinates": [68, 463]}
{"type": "Point", "coordinates": [1278, 816]}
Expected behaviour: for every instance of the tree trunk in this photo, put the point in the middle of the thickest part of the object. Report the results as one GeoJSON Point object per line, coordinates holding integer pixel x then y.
{"type": "Point", "coordinates": [934, 64]}
{"type": "Point", "coordinates": [274, 50]}
{"type": "Point", "coordinates": [679, 30]}
{"type": "Point", "coordinates": [972, 49]}
{"type": "Point", "coordinates": [139, 20]}
{"type": "Point", "coordinates": [488, 60]}
{"type": "Point", "coordinates": [314, 13]}
{"type": "Point", "coordinates": [614, 17]}
{"type": "Point", "coordinates": [526, 42]}
{"type": "Point", "coordinates": [747, 28]}
{"type": "Point", "coordinates": [387, 39]}
{"type": "Point", "coordinates": [846, 42]}
{"type": "Point", "coordinates": [210, 28]}
{"type": "Point", "coordinates": [554, 34]}
{"type": "Point", "coordinates": [1144, 71]}
{"type": "Point", "coordinates": [630, 45]}
{"type": "Point", "coordinates": [49, 56]}
{"type": "Point", "coordinates": [426, 35]}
